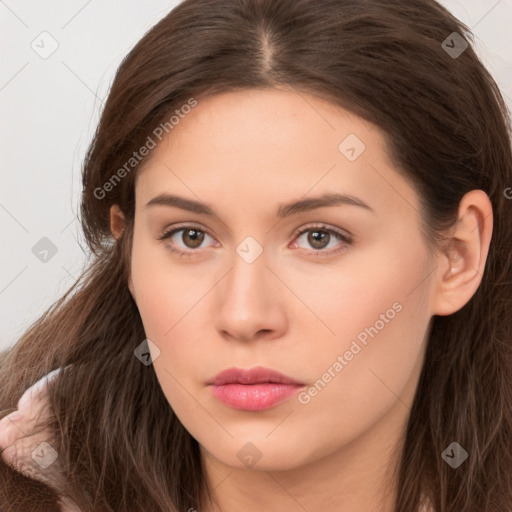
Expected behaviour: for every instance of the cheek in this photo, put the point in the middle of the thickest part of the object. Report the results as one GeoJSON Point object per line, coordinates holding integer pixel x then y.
{"type": "Point", "coordinates": [165, 299]}
{"type": "Point", "coordinates": [157, 283]}
{"type": "Point", "coordinates": [168, 298]}
{"type": "Point", "coordinates": [378, 308]}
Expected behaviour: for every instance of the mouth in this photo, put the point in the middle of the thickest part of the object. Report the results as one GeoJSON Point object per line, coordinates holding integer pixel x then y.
{"type": "Point", "coordinates": [255, 389]}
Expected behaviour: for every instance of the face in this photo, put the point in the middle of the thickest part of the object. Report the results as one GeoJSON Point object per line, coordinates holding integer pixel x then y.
{"type": "Point", "coordinates": [333, 295]}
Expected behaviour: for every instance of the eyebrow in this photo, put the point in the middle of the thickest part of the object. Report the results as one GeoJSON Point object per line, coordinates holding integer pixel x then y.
{"type": "Point", "coordinates": [284, 210]}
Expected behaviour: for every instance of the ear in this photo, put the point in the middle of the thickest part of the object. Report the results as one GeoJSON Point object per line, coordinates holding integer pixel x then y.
{"type": "Point", "coordinates": [116, 221]}
{"type": "Point", "coordinates": [461, 260]}
{"type": "Point", "coordinates": [117, 224]}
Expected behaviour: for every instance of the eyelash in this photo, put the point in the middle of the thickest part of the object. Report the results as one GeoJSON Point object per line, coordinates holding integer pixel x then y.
{"type": "Point", "coordinates": [321, 227]}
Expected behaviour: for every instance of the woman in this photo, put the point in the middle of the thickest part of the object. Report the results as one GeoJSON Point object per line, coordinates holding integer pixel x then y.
{"type": "Point", "coordinates": [300, 291]}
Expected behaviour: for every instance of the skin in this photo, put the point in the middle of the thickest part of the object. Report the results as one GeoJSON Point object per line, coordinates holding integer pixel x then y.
{"type": "Point", "coordinates": [292, 310]}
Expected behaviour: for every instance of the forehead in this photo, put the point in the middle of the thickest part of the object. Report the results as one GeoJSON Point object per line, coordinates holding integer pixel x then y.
{"type": "Point", "coordinates": [258, 147]}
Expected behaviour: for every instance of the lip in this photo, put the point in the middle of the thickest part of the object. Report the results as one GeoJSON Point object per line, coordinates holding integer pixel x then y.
{"type": "Point", "coordinates": [255, 389]}
{"type": "Point", "coordinates": [256, 375]}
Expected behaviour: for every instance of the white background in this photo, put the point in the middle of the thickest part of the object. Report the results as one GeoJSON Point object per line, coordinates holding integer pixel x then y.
{"type": "Point", "coordinates": [49, 109]}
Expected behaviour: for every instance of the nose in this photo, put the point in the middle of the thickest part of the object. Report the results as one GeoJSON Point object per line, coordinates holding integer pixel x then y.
{"type": "Point", "coordinates": [249, 302]}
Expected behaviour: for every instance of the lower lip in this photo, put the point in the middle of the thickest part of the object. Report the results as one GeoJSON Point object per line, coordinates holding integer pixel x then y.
{"type": "Point", "coordinates": [254, 397]}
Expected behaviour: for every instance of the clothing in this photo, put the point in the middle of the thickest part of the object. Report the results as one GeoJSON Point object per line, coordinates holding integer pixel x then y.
{"type": "Point", "coordinates": [33, 455]}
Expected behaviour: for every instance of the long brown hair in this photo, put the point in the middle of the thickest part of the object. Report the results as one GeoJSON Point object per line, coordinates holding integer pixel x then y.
{"type": "Point", "coordinates": [448, 131]}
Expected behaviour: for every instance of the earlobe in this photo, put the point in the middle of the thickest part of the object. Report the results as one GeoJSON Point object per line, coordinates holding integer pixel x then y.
{"type": "Point", "coordinates": [461, 261]}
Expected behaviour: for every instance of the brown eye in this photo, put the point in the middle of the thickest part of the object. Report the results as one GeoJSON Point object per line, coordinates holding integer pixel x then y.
{"type": "Point", "coordinates": [185, 241]}
{"type": "Point", "coordinates": [192, 238]}
{"type": "Point", "coordinates": [320, 237]}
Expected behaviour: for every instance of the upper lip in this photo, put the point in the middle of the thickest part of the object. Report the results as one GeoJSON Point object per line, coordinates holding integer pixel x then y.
{"type": "Point", "coordinates": [256, 375]}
